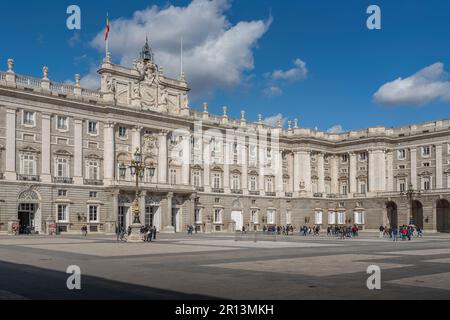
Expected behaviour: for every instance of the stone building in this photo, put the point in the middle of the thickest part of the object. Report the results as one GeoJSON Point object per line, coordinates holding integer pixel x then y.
{"type": "Point", "coordinates": [65, 152]}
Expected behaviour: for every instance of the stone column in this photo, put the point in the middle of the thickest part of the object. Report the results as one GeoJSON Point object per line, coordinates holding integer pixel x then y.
{"type": "Point", "coordinates": [334, 168]}
{"type": "Point", "coordinates": [296, 173]}
{"type": "Point", "coordinates": [244, 151]}
{"type": "Point", "coordinates": [136, 139]}
{"type": "Point", "coordinates": [185, 166]}
{"type": "Point", "coordinates": [439, 170]}
{"type": "Point", "coordinates": [109, 153]}
{"type": "Point", "coordinates": [261, 164]}
{"type": "Point", "coordinates": [390, 171]}
{"type": "Point", "coordinates": [142, 208]}
{"type": "Point", "coordinates": [112, 216]}
{"type": "Point", "coordinates": [413, 181]}
{"type": "Point", "coordinates": [10, 172]}
{"type": "Point", "coordinates": [279, 173]}
{"type": "Point", "coordinates": [78, 152]}
{"type": "Point", "coordinates": [305, 170]}
{"type": "Point", "coordinates": [226, 166]}
{"type": "Point", "coordinates": [167, 219]}
{"type": "Point", "coordinates": [371, 164]}
{"type": "Point", "coordinates": [206, 165]}
{"type": "Point", "coordinates": [46, 175]}
{"type": "Point", "coordinates": [162, 157]}
{"type": "Point", "coordinates": [291, 171]}
{"type": "Point", "coordinates": [353, 172]}
{"type": "Point", "coordinates": [321, 173]}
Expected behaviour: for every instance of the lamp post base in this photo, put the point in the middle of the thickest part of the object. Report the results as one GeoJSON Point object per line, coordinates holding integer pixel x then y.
{"type": "Point", "coordinates": [135, 235]}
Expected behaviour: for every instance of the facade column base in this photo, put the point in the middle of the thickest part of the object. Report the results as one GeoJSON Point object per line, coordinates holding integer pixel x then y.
{"type": "Point", "coordinates": [78, 180]}
{"type": "Point", "coordinates": [110, 227]}
{"type": "Point", "coordinates": [46, 178]}
{"type": "Point", "coordinates": [135, 236]}
{"type": "Point", "coordinates": [9, 175]}
{"type": "Point", "coordinates": [168, 229]}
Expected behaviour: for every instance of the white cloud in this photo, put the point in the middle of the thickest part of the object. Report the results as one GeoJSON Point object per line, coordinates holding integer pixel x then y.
{"type": "Point", "coordinates": [336, 129]}
{"type": "Point", "coordinates": [428, 84]}
{"type": "Point", "coordinates": [216, 52]}
{"type": "Point", "coordinates": [275, 120]}
{"type": "Point", "coordinates": [299, 72]}
{"type": "Point", "coordinates": [273, 91]}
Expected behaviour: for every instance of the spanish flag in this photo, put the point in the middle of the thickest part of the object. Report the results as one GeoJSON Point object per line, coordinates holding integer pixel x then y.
{"type": "Point", "coordinates": [107, 28]}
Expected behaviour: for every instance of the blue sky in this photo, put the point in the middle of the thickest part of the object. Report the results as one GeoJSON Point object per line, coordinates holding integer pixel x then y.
{"type": "Point", "coordinates": [252, 46]}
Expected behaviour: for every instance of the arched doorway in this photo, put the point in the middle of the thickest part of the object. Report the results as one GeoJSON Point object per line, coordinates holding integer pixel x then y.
{"type": "Point", "coordinates": [417, 214]}
{"type": "Point", "coordinates": [443, 216]}
{"type": "Point", "coordinates": [29, 212]}
{"type": "Point", "coordinates": [392, 214]}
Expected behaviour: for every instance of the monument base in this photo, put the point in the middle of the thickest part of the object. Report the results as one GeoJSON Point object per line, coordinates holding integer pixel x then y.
{"type": "Point", "coordinates": [135, 235]}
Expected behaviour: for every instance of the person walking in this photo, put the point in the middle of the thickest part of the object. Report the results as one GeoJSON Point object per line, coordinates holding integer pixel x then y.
{"type": "Point", "coordinates": [381, 231]}
{"type": "Point", "coordinates": [149, 234]}
{"type": "Point", "coordinates": [154, 233]}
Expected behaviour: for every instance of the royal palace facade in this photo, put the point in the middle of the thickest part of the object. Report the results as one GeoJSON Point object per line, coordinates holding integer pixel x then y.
{"type": "Point", "coordinates": [65, 155]}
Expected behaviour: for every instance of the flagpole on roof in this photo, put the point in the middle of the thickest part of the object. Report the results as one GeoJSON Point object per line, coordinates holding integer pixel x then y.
{"type": "Point", "coordinates": [107, 37]}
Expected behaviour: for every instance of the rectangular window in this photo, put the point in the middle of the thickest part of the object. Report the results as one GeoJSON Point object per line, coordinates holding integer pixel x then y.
{"type": "Point", "coordinates": [269, 185]}
{"type": "Point", "coordinates": [93, 213]}
{"type": "Point", "coordinates": [173, 176]}
{"type": "Point", "coordinates": [402, 186]}
{"type": "Point", "coordinates": [28, 165]}
{"type": "Point", "coordinates": [236, 182]}
{"type": "Point", "coordinates": [426, 184]}
{"type": "Point", "coordinates": [62, 213]}
{"type": "Point", "coordinates": [318, 217]}
{"type": "Point", "coordinates": [359, 217]}
{"type": "Point", "coordinates": [253, 183]}
{"type": "Point", "coordinates": [93, 194]}
{"type": "Point", "coordinates": [362, 156]}
{"type": "Point", "coordinates": [331, 217]}
{"type": "Point", "coordinates": [341, 217]}
{"type": "Point", "coordinates": [362, 188]}
{"type": "Point", "coordinates": [344, 189]}
{"type": "Point", "coordinates": [217, 216]}
{"type": "Point", "coordinates": [92, 127]}
{"type": "Point", "coordinates": [401, 154]}
{"type": "Point", "coordinates": [426, 164]}
{"type": "Point", "coordinates": [196, 179]}
{"type": "Point", "coordinates": [29, 118]}
{"type": "Point", "coordinates": [122, 132]}
{"type": "Point", "coordinates": [62, 193]}
{"type": "Point", "coordinates": [62, 168]}
{"type": "Point", "coordinates": [426, 151]}
{"type": "Point", "coordinates": [344, 158]}
{"type": "Point", "coordinates": [270, 216]}
{"type": "Point", "coordinates": [61, 123]}
{"type": "Point", "coordinates": [217, 183]}
{"type": "Point", "coordinates": [198, 216]}
{"type": "Point", "coordinates": [93, 170]}
{"type": "Point", "coordinates": [254, 215]}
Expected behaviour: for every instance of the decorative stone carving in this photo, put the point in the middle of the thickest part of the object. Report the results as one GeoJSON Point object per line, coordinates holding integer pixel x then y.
{"type": "Point", "coordinates": [10, 64]}
{"type": "Point", "coordinates": [45, 73]}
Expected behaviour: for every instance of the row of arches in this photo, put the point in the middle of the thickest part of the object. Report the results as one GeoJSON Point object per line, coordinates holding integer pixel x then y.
{"type": "Point", "coordinates": [417, 217]}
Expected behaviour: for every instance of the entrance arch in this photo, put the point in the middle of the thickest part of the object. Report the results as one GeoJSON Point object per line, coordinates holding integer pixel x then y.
{"type": "Point", "coordinates": [29, 212]}
{"type": "Point", "coordinates": [392, 214]}
{"type": "Point", "coordinates": [417, 214]}
{"type": "Point", "coordinates": [443, 216]}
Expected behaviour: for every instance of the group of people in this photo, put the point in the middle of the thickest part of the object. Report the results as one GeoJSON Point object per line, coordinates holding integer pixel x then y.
{"type": "Point", "coordinates": [148, 233]}
{"type": "Point", "coordinates": [403, 232]}
{"type": "Point", "coordinates": [285, 230]}
{"type": "Point", "coordinates": [343, 231]}
{"type": "Point", "coordinates": [190, 230]}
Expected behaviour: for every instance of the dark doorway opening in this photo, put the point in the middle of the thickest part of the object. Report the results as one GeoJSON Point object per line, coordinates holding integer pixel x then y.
{"type": "Point", "coordinates": [443, 216]}
{"type": "Point", "coordinates": [392, 214]}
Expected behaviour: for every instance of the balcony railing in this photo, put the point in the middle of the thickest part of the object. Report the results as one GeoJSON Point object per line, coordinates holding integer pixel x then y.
{"type": "Point", "coordinates": [331, 196]}
{"type": "Point", "coordinates": [318, 195]}
{"type": "Point", "coordinates": [200, 189]}
{"type": "Point", "coordinates": [63, 180]}
{"type": "Point", "coordinates": [93, 182]}
{"type": "Point", "coordinates": [218, 190]}
{"type": "Point", "coordinates": [360, 195]}
{"type": "Point", "coordinates": [271, 194]}
{"type": "Point", "coordinates": [26, 177]}
{"type": "Point", "coordinates": [237, 191]}
{"type": "Point", "coordinates": [288, 194]}
{"type": "Point", "coordinates": [254, 193]}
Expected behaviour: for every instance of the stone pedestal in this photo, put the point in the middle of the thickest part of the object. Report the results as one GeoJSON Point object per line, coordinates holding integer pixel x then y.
{"type": "Point", "coordinates": [208, 227]}
{"type": "Point", "coordinates": [168, 229]}
{"type": "Point", "coordinates": [110, 227]}
{"type": "Point", "coordinates": [135, 235]}
{"type": "Point", "coordinates": [232, 227]}
{"type": "Point", "coordinates": [13, 224]}
{"type": "Point", "coordinates": [50, 227]}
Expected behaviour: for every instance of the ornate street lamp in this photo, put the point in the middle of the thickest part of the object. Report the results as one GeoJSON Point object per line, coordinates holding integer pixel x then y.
{"type": "Point", "coordinates": [410, 194]}
{"type": "Point", "coordinates": [137, 169]}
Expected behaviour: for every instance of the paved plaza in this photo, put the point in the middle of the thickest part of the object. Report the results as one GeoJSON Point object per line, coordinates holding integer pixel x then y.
{"type": "Point", "coordinates": [224, 267]}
